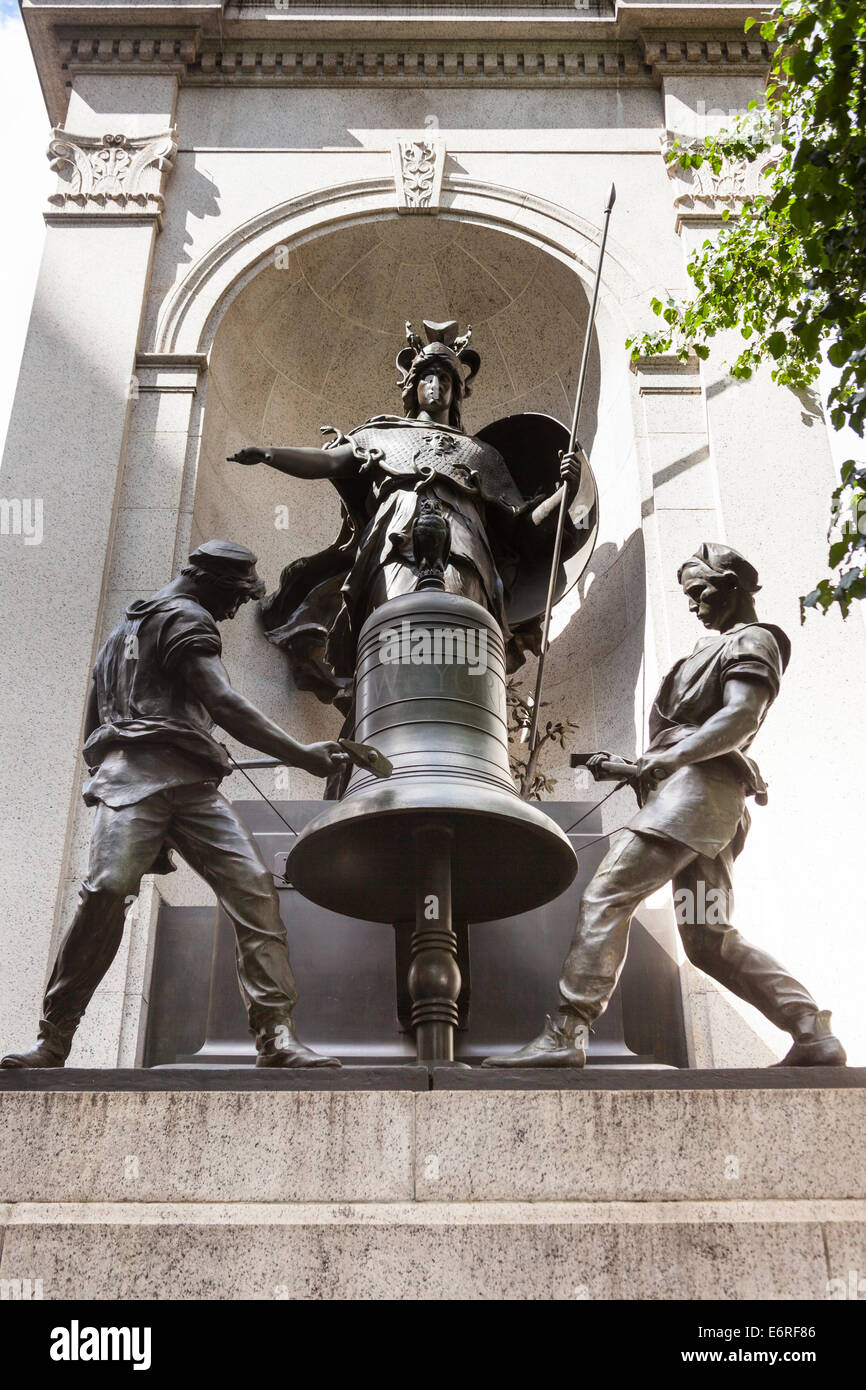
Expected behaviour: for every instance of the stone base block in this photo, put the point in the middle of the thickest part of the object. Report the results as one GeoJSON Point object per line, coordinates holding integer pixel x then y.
{"type": "Point", "coordinates": [432, 1146]}
{"type": "Point", "coordinates": [412, 1251]}
{"type": "Point", "coordinates": [411, 1194]}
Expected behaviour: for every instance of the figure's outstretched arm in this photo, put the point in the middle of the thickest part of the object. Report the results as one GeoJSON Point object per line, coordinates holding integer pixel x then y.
{"type": "Point", "coordinates": [301, 462]}
{"type": "Point", "coordinates": [208, 678]}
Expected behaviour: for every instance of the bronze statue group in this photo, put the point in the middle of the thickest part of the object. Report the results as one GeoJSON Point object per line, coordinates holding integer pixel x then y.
{"type": "Point", "coordinates": [159, 687]}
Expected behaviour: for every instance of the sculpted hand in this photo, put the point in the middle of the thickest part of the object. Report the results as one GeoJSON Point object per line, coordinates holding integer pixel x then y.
{"type": "Point", "coordinates": [570, 470]}
{"type": "Point", "coordinates": [322, 758]}
{"type": "Point", "coordinates": [653, 768]}
{"type": "Point", "coordinates": [595, 766]}
{"type": "Point", "coordinates": [250, 456]}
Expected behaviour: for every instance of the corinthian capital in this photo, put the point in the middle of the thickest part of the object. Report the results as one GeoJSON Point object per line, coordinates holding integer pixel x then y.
{"type": "Point", "coordinates": [701, 193]}
{"type": "Point", "coordinates": [112, 173]}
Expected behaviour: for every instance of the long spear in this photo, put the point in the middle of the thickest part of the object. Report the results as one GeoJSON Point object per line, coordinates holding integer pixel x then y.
{"type": "Point", "coordinates": [563, 504]}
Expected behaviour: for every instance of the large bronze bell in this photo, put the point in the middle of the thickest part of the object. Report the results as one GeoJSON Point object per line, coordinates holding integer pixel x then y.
{"type": "Point", "coordinates": [446, 835]}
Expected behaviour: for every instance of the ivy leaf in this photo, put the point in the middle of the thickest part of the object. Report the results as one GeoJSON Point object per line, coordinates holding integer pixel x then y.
{"type": "Point", "coordinates": [776, 344]}
{"type": "Point", "coordinates": [838, 551]}
{"type": "Point", "coordinates": [849, 578]}
{"type": "Point", "coordinates": [839, 353]}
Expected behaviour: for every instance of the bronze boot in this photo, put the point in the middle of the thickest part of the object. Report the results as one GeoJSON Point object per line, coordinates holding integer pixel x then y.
{"type": "Point", "coordinates": [53, 1047]}
{"type": "Point", "coordinates": [814, 1044]}
{"type": "Point", "coordinates": [278, 1046]}
{"type": "Point", "coordinates": [561, 1043]}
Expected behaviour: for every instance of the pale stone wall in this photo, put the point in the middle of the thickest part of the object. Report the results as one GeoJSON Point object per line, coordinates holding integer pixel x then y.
{"type": "Point", "coordinates": [164, 337]}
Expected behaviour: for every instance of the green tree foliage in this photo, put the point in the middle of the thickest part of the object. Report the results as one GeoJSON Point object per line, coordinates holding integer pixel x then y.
{"type": "Point", "coordinates": [532, 783]}
{"type": "Point", "coordinates": [790, 271]}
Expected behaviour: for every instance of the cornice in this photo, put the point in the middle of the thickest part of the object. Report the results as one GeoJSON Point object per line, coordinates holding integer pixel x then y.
{"type": "Point", "coordinates": [679, 54]}
{"type": "Point", "coordinates": [440, 45]}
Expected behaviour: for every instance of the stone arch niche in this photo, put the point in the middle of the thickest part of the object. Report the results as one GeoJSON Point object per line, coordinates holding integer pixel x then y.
{"type": "Point", "coordinates": [304, 334]}
{"type": "Point", "coordinates": [308, 338]}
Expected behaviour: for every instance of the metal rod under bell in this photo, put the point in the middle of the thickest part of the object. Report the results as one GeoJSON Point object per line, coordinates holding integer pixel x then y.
{"type": "Point", "coordinates": [434, 975]}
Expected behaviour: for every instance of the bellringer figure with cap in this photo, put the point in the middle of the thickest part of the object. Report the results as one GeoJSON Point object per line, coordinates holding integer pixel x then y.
{"type": "Point", "coordinates": [158, 686]}
{"type": "Point", "coordinates": [691, 784]}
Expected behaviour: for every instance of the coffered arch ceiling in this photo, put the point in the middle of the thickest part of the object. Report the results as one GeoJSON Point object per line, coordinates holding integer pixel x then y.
{"type": "Point", "coordinates": [312, 339]}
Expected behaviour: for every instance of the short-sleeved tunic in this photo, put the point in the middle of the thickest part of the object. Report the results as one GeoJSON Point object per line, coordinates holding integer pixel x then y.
{"type": "Point", "coordinates": [703, 805]}
{"type": "Point", "coordinates": [153, 731]}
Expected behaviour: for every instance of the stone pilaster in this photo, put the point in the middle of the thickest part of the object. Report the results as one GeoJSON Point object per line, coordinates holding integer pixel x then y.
{"type": "Point", "coordinates": [65, 450]}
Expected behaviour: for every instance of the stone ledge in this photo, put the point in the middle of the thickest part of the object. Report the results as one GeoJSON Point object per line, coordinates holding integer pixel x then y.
{"type": "Point", "coordinates": [765, 1250]}
{"type": "Point", "coordinates": [184, 1146]}
{"type": "Point", "coordinates": [641, 1146]}
{"type": "Point", "coordinates": [631, 1078]}
{"type": "Point", "coordinates": [622, 1077]}
{"type": "Point", "coordinates": [205, 1078]}
{"type": "Point", "coordinates": [429, 1215]}
{"type": "Point", "coordinates": [439, 1147]}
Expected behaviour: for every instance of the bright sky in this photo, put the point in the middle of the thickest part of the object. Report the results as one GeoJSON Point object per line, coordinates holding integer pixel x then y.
{"type": "Point", "coordinates": [29, 180]}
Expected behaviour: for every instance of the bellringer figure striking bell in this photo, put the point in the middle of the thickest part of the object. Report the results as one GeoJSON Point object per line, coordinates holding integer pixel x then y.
{"type": "Point", "coordinates": [158, 686]}
{"type": "Point", "coordinates": [692, 785]}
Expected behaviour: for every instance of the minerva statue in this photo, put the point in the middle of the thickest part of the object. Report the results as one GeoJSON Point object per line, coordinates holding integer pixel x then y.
{"type": "Point", "coordinates": [498, 491]}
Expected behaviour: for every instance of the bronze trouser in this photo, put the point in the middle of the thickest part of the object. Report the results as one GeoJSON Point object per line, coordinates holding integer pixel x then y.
{"type": "Point", "coordinates": [202, 826]}
{"type": "Point", "coordinates": [637, 864]}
